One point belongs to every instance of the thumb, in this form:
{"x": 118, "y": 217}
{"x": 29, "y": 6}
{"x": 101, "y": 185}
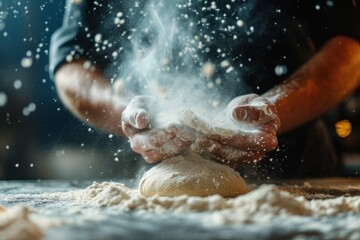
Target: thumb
{"x": 253, "y": 114}
{"x": 138, "y": 118}
{"x": 246, "y": 113}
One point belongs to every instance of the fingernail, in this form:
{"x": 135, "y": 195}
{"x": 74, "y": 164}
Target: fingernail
{"x": 239, "y": 114}
{"x": 141, "y": 119}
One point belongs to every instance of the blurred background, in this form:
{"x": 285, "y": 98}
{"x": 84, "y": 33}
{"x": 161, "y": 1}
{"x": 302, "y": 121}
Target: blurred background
{"x": 39, "y": 139}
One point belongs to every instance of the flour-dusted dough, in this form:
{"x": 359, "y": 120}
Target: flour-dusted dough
{"x": 190, "y": 174}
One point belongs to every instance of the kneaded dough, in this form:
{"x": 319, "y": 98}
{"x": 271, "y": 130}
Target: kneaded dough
{"x": 190, "y": 174}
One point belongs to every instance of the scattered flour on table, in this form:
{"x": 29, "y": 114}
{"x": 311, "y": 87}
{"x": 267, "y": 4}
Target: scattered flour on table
{"x": 259, "y": 206}
{"x": 21, "y": 223}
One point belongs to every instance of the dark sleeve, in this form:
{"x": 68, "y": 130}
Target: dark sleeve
{"x": 69, "y": 41}
{"x": 333, "y": 18}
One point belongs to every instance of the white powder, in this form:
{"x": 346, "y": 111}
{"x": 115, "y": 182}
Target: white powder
{"x": 16, "y": 223}
{"x": 261, "y": 206}
{"x": 219, "y": 124}
{"x": 258, "y": 206}
{"x": 22, "y": 222}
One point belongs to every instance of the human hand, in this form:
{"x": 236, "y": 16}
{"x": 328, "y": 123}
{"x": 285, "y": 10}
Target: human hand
{"x": 154, "y": 142}
{"x": 257, "y": 124}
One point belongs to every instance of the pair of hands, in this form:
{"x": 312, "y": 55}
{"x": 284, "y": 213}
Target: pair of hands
{"x": 158, "y": 143}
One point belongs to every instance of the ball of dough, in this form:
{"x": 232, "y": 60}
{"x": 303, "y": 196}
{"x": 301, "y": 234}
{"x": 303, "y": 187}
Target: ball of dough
{"x": 190, "y": 174}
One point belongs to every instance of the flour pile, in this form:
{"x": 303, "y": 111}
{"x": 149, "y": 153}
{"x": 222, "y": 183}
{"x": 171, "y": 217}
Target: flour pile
{"x": 258, "y": 206}
{"x": 261, "y": 207}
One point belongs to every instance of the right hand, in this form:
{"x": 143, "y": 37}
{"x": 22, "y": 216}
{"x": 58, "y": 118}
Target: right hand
{"x": 252, "y": 111}
{"x": 154, "y": 143}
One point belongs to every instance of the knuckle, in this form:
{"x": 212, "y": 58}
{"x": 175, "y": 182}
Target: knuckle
{"x": 173, "y": 128}
{"x": 213, "y": 148}
{"x": 135, "y": 147}
{"x": 153, "y": 156}
{"x": 149, "y": 159}
{"x": 159, "y": 138}
{"x": 155, "y": 141}
{"x": 273, "y": 143}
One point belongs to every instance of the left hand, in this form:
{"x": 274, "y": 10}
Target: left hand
{"x": 154, "y": 143}
{"x": 252, "y": 111}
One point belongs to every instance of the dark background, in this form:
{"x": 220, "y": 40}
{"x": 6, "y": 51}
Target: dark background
{"x": 49, "y": 142}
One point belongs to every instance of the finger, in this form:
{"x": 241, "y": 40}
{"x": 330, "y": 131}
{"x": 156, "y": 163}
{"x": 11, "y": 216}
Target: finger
{"x": 129, "y": 130}
{"x": 181, "y": 144}
{"x": 142, "y": 119}
{"x": 149, "y": 140}
{"x": 271, "y": 126}
{"x": 137, "y": 118}
{"x": 153, "y": 156}
{"x": 185, "y": 133}
{"x": 276, "y": 123}
{"x": 253, "y": 109}
{"x": 248, "y": 141}
{"x": 250, "y": 114}
{"x": 171, "y": 148}
{"x": 243, "y": 100}
{"x": 262, "y": 141}
{"x": 156, "y": 138}
{"x": 219, "y": 151}
{"x": 225, "y": 154}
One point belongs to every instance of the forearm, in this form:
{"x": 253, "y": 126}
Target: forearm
{"x": 90, "y": 97}
{"x": 319, "y": 85}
